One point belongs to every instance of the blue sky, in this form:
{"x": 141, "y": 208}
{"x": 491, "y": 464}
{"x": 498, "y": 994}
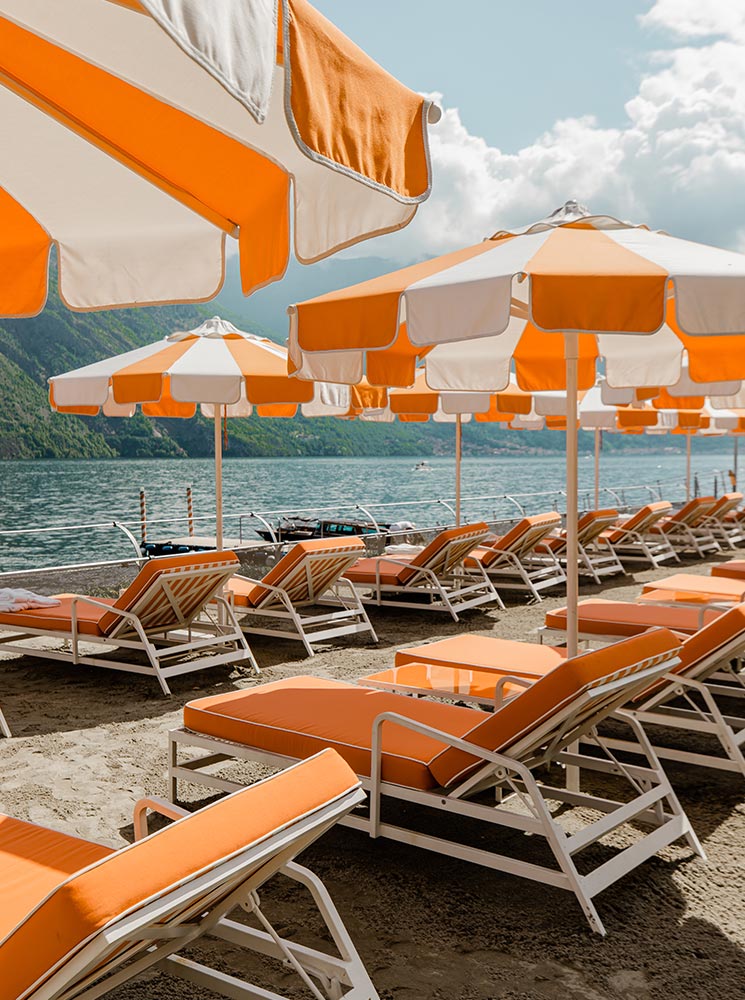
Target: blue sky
{"x": 633, "y": 107}
{"x": 511, "y": 68}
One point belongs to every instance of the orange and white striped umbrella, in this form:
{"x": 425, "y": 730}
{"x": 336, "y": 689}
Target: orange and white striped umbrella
{"x": 552, "y": 300}
{"x": 215, "y": 365}
{"x": 139, "y": 134}
{"x": 227, "y": 371}
{"x": 644, "y": 302}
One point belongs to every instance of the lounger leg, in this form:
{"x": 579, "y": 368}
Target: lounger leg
{"x": 556, "y": 840}
{"x": 654, "y": 762}
{"x": 4, "y": 727}
{"x": 172, "y": 763}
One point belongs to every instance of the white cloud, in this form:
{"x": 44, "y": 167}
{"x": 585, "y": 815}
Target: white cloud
{"x": 678, "y": 164}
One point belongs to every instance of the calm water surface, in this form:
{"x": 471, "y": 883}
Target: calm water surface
{"x": 47, "y": 493}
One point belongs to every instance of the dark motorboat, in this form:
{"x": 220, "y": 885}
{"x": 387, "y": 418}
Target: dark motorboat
{"x": 300, "y": 529}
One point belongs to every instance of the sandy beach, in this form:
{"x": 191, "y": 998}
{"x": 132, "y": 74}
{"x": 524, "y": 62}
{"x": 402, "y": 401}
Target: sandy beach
{"x": 88, "y": 743}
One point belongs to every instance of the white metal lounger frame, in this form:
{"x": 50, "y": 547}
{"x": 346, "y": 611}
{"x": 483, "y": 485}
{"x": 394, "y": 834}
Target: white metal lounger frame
{"x": 718, "y": 674}
{"x": 691, "y": 534}
{"x": 732, "y": 532}
{"x": 595, "y": 561}
{"x": 529, "y": 564}
{"x": 448, "y": 587}
{"x": 150, "y": 935}
{"x": 641, "y": 545}
{"x": 161, "y": 624}
{"x": 509, "y": 773}
{"x": 307, "y": 584}
{"x": 4, "y": 727}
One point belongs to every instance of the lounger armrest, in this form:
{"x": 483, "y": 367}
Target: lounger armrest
{"x": 154, "y": 805}
{"x": 523, "y": 682}
{"x": 458, "y": 742}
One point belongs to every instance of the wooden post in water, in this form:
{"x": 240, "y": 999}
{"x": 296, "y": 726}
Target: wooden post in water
{"x": 143, "y": 517}
{"x": 190, "y": 511}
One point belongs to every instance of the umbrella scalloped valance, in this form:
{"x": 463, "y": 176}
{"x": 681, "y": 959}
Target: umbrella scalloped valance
{"x": 508, "y": 302}
{"x": 139, "y": 135}
{"x": 214, "y": 365}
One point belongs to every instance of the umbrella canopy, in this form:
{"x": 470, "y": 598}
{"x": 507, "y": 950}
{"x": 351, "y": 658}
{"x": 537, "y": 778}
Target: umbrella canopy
{"x": 138, "y": 134}
{"x": 475, "y": 314}
{"x": 551, "y": 299}
{"x": 227, "y": 371}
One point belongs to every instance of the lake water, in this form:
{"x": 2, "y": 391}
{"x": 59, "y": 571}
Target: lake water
{"x": 43, "y": 494}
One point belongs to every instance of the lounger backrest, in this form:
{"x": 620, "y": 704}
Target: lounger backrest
{"x": 725, "y": 503}
{"x": 523, "y": 537}
{"x": 309, "y": 569}
{"x": 170, "y": 592}
{"x": 642, "y": 520}
{"x": 593, "y": 523}
{"x": 565, "y": 703}
{"x": 91, "y": 920}
{"x": 446, "y": 551}
{"x": 693, "y": 512}
{"x": 722, "y": 638}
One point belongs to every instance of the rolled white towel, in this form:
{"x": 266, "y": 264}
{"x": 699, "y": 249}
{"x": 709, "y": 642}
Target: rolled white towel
{"x": 23, "y": 600}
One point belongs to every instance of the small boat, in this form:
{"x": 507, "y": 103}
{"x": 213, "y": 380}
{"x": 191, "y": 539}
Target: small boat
{"x": 422, "y": 467}
{"x": 300, "y": 529}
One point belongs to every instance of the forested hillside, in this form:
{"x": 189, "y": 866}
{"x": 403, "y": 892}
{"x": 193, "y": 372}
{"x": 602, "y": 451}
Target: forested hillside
{"x": 57, "y": 340}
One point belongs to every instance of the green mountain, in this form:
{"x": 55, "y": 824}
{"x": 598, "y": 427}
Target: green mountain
{"x": 58, "y": 340}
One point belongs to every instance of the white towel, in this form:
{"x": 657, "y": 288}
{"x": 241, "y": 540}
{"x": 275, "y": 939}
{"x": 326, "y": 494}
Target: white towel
{"x": 22, "y": 600}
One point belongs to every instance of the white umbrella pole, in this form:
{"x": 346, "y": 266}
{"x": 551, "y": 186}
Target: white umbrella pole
{"x": 598, "y": 439}
{"x": 458, "y": 441}
{"x": 571, "y": 347}
{"x": 218, "y": 478}
{"x": 688, "y": 467}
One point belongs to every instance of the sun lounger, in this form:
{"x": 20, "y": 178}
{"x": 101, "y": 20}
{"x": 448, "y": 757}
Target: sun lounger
{"x": 608, "y": 621}
{"x": 521, "y": 559}
{"x": 444, "y": 757}
{"x": 310, "y": 574}
{"x": 687, "y": 529}
{"x": 4, "y": 727}
{"x": 79, "y": 919}
{"x": 733, "y": 568}
{"x": 730, "y": 531}
{"x": 433, "y": 579}
{"x": 595, "y": 561}
{"x": 156, "y": 618}
{"x": 693, "y": 588}
{"x": 632, "y": 539}
{"x": 486, "y": 671}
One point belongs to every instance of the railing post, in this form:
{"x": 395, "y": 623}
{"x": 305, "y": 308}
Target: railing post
{"x": 190, "y": 511}
{"x": 143, "y": 518}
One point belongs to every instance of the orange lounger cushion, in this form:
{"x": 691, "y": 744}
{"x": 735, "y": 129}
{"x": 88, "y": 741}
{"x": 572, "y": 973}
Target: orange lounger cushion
{"x": 59, "y": 618}
{"x": 93, "y": 620}
{"x": 640, "y": 521}
{"x": 64, "y": 903}
{"x": 734, "y": 569}
{"x": 688, "y": 585}
{"x": 622, "y": 619}
{"x": 247, "y": 594}
{"x": 296, "y": 716}
{"x": 523, "y": 659}
{"x": 391, "y": 573}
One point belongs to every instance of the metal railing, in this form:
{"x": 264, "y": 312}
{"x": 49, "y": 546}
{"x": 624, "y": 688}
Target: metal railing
{"x": 493, "y": 508}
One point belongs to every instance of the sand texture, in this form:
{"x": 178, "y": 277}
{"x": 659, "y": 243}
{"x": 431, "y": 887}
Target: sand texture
{"x": 88, "y": 743}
